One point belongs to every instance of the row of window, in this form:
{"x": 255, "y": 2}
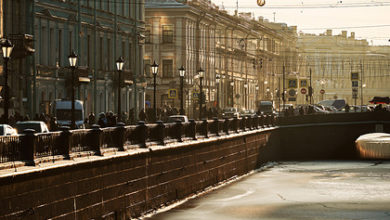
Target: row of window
{"x": 167, "y": 34}
{"x": 54, "y": 45}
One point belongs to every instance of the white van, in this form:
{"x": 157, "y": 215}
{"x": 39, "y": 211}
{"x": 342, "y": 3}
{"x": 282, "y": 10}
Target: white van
{"x": 62, "y": 109}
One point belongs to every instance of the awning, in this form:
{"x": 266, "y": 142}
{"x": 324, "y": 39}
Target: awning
{"x": 380, "y": 100}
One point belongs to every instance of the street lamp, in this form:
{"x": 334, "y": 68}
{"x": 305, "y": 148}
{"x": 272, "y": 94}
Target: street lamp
{"x": 257, "y": 93}
{"x": 119, "y": 65}
{"x": 7, "y": 50}
{"x": 245, "y": 98}
{"x": 201, "y": 75}
{"x": 182, "y": 72}
{"x": 217, "y": 80}
{"x": 72, "y": 61}
{"x": 154, "y": 72}
{"x": 232, "y": 85}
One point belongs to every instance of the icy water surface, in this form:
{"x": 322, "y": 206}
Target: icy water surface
{"x": 297, "y": 190}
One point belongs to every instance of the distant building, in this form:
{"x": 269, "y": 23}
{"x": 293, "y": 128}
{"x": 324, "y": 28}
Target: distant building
{"x": 243, "y": 52}
{"x": 98, "y": 31}
{"x": 332, "y": 59}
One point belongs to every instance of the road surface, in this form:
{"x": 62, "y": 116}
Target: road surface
{"x": 297, "y": 190}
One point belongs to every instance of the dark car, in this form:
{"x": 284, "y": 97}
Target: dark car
{"x": 38, "y": 126}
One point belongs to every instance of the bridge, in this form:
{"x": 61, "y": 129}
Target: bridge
{"x": 125, "y": 171}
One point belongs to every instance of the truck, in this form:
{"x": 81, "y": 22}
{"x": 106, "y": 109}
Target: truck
{"x": 62, "y": 110}
{"x": 266, "y": 107}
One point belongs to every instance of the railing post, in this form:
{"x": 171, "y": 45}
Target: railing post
{"x": 120, "y": 140}
{"x": 256, "y": 122}
{"x": 235, "y": 124}
{"x": 178, "y": 130}
{"x": 141, "y": 133}
{"x": 226, "y": 126}
{"x": 205, "y": 128}
{"x": 273, "y": 121}
{"x": 262, "y": 120}
{"x": 29, "y": 146}
{"x": 249, "y": 123}
{"x": 67, "y": 141}
{"x": 96, "y": 139}
{"x": 242, "y": 124}
{"x": 192, "y": 129}
{"x": 160, "y": 132}
{"x": 216, "y": 126}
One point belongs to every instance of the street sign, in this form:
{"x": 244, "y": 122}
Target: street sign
{"x": 322, "y": 91}
{"x": 172, "y": 93}
{"x": 303, "y": 91}
{"x": 354, "y": 75}
{"x": 292, "y": 92}
{"x": 195, "y": 95}
{"x": 354, "y": 93}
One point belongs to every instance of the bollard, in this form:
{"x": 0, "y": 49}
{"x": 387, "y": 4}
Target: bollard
{"x": 120, "y": 140}
{"x": 160, "y": 132}
{"x": 192, "y": 129}
{"x": 96, "y": 138}
{"x": 178, "y": 130}
{"x": 226, "y": 126}
{"x": 141, "y": 130}
{"x": 29, "y": 141}
{"x": 235, "y": 124}
{"x": 216, "y": 126}
{"x": 205, "y": 128}
{"x": 66, "y": 141}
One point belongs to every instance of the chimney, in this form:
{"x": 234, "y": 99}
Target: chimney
{"x": 352, "y": 35}
{"x": 328, "y": 32}
{"x": 344, "y": 34}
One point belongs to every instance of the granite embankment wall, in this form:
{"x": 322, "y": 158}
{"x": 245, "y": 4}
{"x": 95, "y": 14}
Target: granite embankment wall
{"x": 130, "y": 183}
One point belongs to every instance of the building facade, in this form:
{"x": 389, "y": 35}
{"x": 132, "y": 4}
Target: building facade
{"x": 98, "y": 31}
{"x": 246, "y": 54}
{"x": 344, "y": 67}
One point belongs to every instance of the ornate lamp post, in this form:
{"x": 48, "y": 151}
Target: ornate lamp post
{"x": 7, "y": 50}
{"x": 245, "y": 98}
{"x": 182, "y": 72}
{"x": 119, "y": 66}
{"x": 154, "y": 72}
{"x": 217, "y": 80}
{"x": 232, "y": 85}
{"x": 73, "y": 61}
{"x": 257, "y": 92}
{"x": 201, "y": 75}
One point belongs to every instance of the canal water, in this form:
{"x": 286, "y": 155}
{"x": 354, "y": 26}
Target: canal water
{"x": 296, "y": 190}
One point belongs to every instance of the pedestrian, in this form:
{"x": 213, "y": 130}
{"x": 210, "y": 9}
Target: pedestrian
{"x": 347, "y": 108}
{"x": 53, "y": 124}
{"x": 142, "y": 115}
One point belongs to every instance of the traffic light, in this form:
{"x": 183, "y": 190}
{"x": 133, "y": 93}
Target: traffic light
{"x": 261, "y": 63}
{"x": 310, "y": 91}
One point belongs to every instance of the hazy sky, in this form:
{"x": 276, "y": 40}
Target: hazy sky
{"x": 369, "y": 19}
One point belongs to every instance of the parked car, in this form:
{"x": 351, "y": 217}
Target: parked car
{"x": 38, "y": 126}
{"x": 174, "y": 118}
{"x": 247, "y": 113}
{"x": 6, "y": 130}
{"x": 230, "y": 112}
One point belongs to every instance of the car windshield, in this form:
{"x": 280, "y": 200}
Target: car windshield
{"x": 66, "y": 114}
{"x": 24, "y": 126}
{"x": 1, "y": 130}
{"x": 174, "y": 119}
